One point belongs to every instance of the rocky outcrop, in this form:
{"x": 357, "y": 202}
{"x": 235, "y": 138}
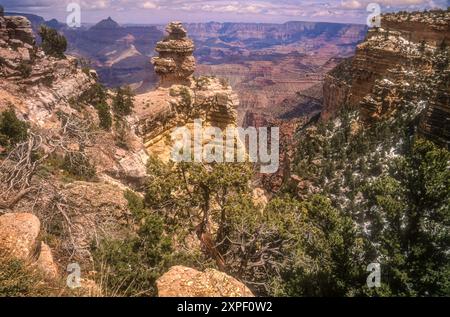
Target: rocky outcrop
{"x": 181, "y": 99}
{"x": 42, "y": 83}
{"x": 42, "y": 89}
{"x": 432, "y": 28}
{"x": 54, "y": 96}
{"x": 435, "y": 121}
{"x": 336, "y": 88}
{"x": 186, "y": 282}
{"x": 46, "y": 263}
{"x": 19, "y": 240}
{"x": 16, "y": 44}
{"x": 15, "y": 28}
{"x": 404, "y": 61}
{"x": 175, "y": 63}
{"x": 206, "y": 99}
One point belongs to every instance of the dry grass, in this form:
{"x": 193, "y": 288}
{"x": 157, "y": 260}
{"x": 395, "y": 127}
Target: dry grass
{"x": 17, "y": 279}
{"x": 20, "y": 279}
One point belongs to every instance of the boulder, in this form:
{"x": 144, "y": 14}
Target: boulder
{"x": 182, "y": 281}
{"x": 46, "y": 264}
{"x": 18, "y": 234}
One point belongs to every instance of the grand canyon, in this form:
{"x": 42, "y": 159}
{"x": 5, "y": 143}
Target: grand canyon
{"x": 284, "y": 63}
{"x": 360, "y": 117}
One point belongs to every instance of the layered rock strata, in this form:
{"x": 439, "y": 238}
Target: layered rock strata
{"x": 181, "y": 99}
{"x": 16, "y": 44}
{"x": 175, "y": 63}
{"x": 404, "y": 61}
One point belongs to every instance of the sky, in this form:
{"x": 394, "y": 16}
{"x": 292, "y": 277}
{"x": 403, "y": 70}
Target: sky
{"x": 270, "y": 11}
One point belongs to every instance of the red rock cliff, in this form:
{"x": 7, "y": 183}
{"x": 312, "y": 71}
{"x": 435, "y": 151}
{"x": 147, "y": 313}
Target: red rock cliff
{"x": 406, "y": 60}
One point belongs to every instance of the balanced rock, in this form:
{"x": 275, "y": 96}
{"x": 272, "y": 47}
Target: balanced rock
{"x": 181, "y": 100}
{"x": 175, "y": 63}
{"x": 186, "y": 282}
{"x": 18, "y": 234}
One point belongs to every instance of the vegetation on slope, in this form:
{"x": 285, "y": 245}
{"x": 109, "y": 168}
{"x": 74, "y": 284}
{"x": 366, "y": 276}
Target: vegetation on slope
{"x": 53, "y": 43}
{"x": 395, "y": 186}
{"x": 378, "y": 195}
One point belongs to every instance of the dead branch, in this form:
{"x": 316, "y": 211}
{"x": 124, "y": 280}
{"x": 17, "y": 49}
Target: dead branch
{"x": 20, "y": 165}
{"x": 12, "y": 202}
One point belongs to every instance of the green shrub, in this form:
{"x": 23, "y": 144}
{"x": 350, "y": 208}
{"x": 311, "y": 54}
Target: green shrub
{"x": 131, "y": 267}
{"x": 104, "y": 116}
{"x": 135, "y": 204}
{"x": 12, "y": 130}
{"x": 25, "y": 69}
{"x": 78, "y": 165}
{"x": 94, "y": 95}
{"x": 123, "y": 102}
{"x": 17, "y": 280}
{"x": 53, "y": 43}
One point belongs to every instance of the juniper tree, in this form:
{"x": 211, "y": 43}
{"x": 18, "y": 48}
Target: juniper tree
{"x": 123, "y": 102}
{"x": 53, "y": 43}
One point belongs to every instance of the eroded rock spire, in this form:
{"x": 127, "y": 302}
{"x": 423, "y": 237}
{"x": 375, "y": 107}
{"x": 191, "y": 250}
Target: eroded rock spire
{"x": 176, "y": 63}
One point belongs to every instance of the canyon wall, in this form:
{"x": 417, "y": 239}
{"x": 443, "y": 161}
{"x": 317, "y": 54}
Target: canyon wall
{"x": 65, "y": 154}
{"x": 406, "y": 60}
{"x": 430, "y": 28}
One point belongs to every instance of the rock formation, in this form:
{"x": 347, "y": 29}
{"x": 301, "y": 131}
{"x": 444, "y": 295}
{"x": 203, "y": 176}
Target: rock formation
{"x": 404, "y": 61}
{"x": 46, "y": 264}
{"x": 19, "y": 240}
{"x": 54, "y": 97}
{"x": 41, "y": 88}
{"x": 432, "y": 27}
{"x": 186, "y": 282}
{"x": 435, "y": 122}
{"x": 18, "y": 235}
{"x": 175, "y": 63}
{"x": 16, "y": 44}
{"x": 180, "y": 99}
{"x": 336, "y": 88}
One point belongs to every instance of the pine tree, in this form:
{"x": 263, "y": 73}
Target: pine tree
{"x": 123, "y": 102}
{"x": 12, "y": 130}
{"x": 53, "y": 43}
{"x": 410, "y": 217}
{"x": 104, "y": 116}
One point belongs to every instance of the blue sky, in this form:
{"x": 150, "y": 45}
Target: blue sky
{"x": 162, "y": 11}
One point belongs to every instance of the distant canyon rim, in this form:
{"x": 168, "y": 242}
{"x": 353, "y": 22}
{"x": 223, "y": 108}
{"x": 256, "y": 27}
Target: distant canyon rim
{"x": 277, "y": 70}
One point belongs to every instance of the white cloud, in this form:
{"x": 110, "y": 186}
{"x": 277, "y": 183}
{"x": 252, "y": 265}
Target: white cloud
{"x": 242, "y": 9}
{"x": 149, "y": 5}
